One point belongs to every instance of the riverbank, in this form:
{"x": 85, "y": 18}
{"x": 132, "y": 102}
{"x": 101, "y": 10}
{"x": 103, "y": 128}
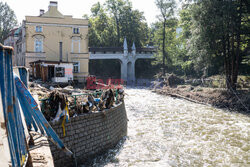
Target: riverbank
{"x": 217, "y": 97}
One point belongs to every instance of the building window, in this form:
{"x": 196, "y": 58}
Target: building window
{"x": 38, "y": 45}
{"x": 60, "y": 72}
{"x": 75, "y": 30}
{"x": 76, "y": 67}
{"x": 39, "y": 29}
{"x": 76, "y": 45}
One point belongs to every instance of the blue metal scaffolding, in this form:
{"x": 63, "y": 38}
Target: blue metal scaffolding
{"x": 17, "y": 100}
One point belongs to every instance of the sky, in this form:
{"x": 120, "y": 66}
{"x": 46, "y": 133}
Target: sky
{"x": 76, "y": 8}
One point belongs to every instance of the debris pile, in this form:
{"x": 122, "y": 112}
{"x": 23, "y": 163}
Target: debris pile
{"x": 170, "y": 80}
{"x": 173, "y": 80}
{"x": 120, "y": 95}
{"x": 86, "y": 104}
{"x": 56, "y": 101}
{"x": 42, "y": 89}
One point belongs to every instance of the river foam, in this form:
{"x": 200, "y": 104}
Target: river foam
{"x": 164, "y": 131}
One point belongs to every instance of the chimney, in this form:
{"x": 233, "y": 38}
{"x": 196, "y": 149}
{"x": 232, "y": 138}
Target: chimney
{"x": 52, "y": 4}
{"x": 41, "y": 12}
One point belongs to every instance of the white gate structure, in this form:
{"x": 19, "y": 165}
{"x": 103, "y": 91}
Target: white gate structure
{"x": 126, "y": 57}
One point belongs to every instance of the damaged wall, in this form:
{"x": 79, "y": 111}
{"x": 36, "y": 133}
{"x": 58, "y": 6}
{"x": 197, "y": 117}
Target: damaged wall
{"x": 90, "y": 134}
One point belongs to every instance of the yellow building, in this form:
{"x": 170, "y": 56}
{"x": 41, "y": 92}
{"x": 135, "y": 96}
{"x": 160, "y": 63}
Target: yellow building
{"x": 56, "y": 37}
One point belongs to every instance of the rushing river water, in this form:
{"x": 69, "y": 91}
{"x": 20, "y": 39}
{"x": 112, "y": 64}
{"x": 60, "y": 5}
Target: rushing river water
{"x": 164, "y": 131}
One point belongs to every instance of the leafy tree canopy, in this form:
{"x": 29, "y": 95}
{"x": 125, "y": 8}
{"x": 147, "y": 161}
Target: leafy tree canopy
{"x": 112, "y": 22}
{"x": 7, "y": 20}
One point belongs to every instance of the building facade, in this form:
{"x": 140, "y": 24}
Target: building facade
{"x": 11, "y": 40}
{"x": 52, "y": 36}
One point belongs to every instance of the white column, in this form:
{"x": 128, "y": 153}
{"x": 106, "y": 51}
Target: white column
{"x": 133, "y": 71}
{"x": 124, "y": 70}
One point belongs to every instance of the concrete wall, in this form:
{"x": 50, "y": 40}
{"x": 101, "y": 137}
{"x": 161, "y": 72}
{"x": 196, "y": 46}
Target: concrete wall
{"x": 90, "y": 134}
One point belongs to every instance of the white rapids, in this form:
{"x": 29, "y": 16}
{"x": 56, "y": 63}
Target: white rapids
{"x": 164, "y": 131}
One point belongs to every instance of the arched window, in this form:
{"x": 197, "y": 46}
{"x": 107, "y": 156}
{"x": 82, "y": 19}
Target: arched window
{"x": 76, "y": 45}
{"x": 38, "y": 43}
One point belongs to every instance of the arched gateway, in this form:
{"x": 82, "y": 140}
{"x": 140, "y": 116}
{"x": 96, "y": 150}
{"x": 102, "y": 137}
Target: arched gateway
{"x": 126, "y": 56}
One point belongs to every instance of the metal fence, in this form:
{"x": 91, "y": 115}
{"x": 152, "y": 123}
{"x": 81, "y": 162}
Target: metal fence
{"x": 20, "y": 112}
{"x": 11, "y": 111}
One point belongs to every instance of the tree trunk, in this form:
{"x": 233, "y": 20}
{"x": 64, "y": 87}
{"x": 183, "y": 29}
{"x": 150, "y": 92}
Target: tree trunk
{"x": 224, "y": 43}
{"x": 228, "y": 61}
{"x": 163, "y": 46}
{"x": 118, "y": 31}
{"x": 237, "y": 54}
{"x": 233, "y": 58}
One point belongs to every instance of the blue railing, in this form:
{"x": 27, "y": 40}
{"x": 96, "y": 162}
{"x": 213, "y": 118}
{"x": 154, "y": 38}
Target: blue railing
{"x": 15, "y": 101}
{"x": 12, "y": 115}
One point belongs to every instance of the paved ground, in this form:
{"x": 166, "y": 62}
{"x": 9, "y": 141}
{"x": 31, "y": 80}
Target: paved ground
{"x": 40, "y": 152}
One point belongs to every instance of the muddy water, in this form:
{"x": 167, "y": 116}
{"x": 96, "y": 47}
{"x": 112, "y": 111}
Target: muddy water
{"x": 163, "y": 131}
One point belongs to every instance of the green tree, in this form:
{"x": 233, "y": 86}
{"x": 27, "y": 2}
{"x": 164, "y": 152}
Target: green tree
{"x": 96, "y": 8}
{"x": 110, "y": 23}
{"x": 115, "y": 7}
{"x": 134, "y": 26}
{"x": 167, "y": 11}
{"x": 220, "y": 32}
{"x": 7, "y": 20}
{"x": 102, "y": 30}
{"x": 171, "y": 46}
{"x": 185, "y": 23}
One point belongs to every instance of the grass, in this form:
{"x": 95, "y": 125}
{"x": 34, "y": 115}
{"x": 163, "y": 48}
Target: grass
{"x": 218, "y": 81}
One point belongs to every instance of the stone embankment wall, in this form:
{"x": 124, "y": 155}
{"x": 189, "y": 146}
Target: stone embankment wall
{"x": 90, "y": 134}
